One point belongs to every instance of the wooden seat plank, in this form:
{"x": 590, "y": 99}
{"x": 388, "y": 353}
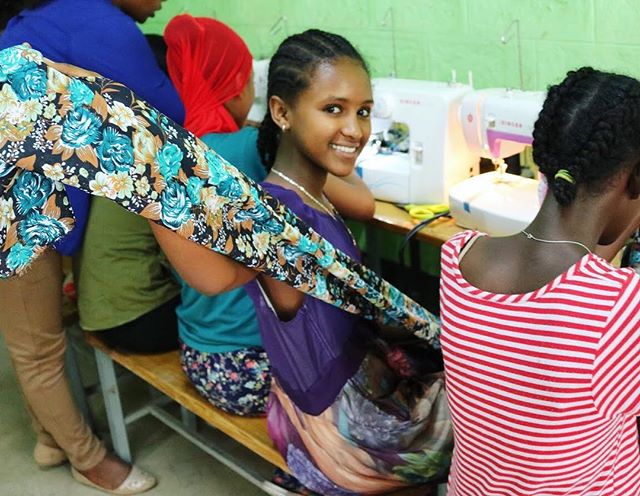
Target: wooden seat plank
{"x": 392, "y": 218}
{"x": 163, "y": 372}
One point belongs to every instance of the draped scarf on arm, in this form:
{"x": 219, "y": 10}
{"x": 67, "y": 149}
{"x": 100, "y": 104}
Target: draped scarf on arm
{"x": 96, "y": 135}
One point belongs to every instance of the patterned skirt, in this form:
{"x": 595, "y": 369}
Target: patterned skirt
{"x": 237, "y": 381}
{"x": 382, "y": 433}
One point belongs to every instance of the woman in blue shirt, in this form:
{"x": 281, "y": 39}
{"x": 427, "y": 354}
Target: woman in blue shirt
{"x": 103, "y": 36}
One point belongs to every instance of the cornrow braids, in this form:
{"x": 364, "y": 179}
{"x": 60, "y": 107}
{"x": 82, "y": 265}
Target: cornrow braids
{"x": 290, "y": 72}
{"x": 589, "y": 126}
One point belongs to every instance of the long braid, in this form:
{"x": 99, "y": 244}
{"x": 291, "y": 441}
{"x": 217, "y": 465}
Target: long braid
{"x": 589, "y": 126}
{"x": 290, "y": 73}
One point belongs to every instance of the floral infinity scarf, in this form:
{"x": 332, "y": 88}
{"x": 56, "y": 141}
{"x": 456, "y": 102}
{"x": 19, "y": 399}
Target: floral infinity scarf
{"x": 96, "y": 135}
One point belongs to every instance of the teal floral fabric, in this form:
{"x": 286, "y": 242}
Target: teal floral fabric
{"x": 96, "y": 135}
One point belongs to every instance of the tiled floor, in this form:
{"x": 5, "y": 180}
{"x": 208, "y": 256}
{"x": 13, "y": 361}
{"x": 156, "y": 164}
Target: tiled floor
{"x": 182, "y": 468}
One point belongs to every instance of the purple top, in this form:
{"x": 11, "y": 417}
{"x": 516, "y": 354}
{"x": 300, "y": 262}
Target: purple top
{"x": 315, "y": 353}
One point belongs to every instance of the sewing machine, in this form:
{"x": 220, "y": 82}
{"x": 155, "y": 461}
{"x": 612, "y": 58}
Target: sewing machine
{"x": 260, "y": 79}
{"x": 497, "y": 123}
{"x": 417, "y": 150}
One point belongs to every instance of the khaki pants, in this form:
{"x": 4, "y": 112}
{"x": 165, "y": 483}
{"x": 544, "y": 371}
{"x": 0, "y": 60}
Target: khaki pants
{"x": 31, "y": 322}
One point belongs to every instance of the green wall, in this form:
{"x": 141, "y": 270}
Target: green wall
{"x": 431, "y": 37}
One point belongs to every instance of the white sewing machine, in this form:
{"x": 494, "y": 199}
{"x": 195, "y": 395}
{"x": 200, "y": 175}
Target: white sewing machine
{"x": 260, "y": 80}
{"x": 432, "y": 156}
{"x": 497, "y": 123}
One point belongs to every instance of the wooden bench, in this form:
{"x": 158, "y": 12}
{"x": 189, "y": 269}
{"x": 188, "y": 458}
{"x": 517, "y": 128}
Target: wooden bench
{"x": 164, "y": 373}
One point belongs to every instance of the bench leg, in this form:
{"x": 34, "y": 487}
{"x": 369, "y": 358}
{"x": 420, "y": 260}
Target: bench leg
{"x": 219, "y": 453}
{"x": 75, "y": 383}
{"x": 189, "y": 419}
{"x": 115, "y": 416}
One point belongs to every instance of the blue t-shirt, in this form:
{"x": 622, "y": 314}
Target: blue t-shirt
{"x": 225, "y": 322}
{"x": 94, "y": 35}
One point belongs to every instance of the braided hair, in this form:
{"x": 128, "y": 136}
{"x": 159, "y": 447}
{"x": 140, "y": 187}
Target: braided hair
{"x": 590, "y": 127}
{"x": 290, "y": 72}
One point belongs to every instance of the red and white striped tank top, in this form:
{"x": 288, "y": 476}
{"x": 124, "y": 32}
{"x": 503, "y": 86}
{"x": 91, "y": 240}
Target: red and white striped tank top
{"x": 544, "y": 387}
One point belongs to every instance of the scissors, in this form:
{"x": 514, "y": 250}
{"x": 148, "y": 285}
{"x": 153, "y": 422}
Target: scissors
{"x": 425, "y": 211}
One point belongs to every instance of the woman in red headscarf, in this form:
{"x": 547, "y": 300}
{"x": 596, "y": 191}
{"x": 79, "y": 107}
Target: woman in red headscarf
{"x": 221, "y": 350}
{"x": 211, "y": 67}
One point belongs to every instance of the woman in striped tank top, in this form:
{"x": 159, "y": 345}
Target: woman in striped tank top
{"x": 541, "y": 337}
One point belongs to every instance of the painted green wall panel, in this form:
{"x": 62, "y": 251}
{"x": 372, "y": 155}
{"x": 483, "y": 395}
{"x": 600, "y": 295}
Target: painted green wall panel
{"x": 153, "y": 26}
{"x": 619, "y": 58}
{"x": 618, "y": 21}
{"x": 427, "y": 18}
{"x": 431, "y": 37}
{"x": 569, "y": 20}
{"x": 254, "y": 12}
{"x": 346, "y": 14}
{"x": 554, "y": 58}
{"x": 414, "y": 63}
{"x": 490, "y": 62}
{"x": 259, "y": 39}
{"x": 487, "y": 20}
{"x": 425, "y": 39}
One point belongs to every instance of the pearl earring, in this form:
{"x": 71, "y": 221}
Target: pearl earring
{"x": 284, "y": 128}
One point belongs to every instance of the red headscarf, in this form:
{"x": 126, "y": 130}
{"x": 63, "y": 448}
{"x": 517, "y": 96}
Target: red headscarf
{"x": 209, "y": 64}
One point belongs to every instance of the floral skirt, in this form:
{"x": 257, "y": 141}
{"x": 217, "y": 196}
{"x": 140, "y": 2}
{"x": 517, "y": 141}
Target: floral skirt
{"x": 383, "y": 432}
{"x": 237, "y": 382}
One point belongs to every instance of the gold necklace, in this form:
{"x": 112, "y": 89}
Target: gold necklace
{"x": 334, "y": 215}
{"x": 309, "y": 195}
{"x": 531, "y": 236}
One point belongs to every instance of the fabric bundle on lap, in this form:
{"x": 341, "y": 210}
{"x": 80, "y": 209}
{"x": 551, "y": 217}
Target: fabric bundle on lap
{"x": 94, "y": 134}
{"x": 349, "y": 413}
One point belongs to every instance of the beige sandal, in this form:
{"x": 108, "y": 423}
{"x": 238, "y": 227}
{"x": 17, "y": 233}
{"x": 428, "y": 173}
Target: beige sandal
{"x": 136, "y": 482}
{"x": 48, "y": 457}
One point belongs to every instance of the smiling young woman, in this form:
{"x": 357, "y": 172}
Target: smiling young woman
{"x": 330, "y": 414}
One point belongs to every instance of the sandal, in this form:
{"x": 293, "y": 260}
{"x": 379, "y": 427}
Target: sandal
{"x": 136, "y": 482}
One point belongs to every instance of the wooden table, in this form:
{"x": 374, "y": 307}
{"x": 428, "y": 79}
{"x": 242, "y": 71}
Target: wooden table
{"x": 388, "y": 216}
{"x": 395, "y": 219}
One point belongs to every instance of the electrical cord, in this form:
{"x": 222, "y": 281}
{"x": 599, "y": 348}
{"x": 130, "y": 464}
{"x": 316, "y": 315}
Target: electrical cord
{"x": 415, "y": 230}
